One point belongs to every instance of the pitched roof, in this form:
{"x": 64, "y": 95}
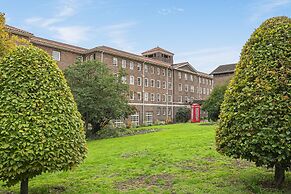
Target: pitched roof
{"x": 178, "y": 66}
{"x": 59, "y": 45}
{"x": 129, "y": 55}
{"x": 157, "y": 49}
{"x": 228, "y": 68}
{"x": 18, "y": 31}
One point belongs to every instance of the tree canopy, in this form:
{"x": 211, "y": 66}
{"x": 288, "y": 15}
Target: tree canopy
{"x": 100, "y": 95}
{"x": 213, "y": 102}
{"x": 255, "y": 116}
{"x": 40, "y": 127}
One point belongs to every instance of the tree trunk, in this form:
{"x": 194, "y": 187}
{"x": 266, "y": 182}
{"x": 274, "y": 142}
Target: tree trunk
{"x": 95, "y": 127}
{"x": 279, "y": 175}
{"x": 24, "y": 186}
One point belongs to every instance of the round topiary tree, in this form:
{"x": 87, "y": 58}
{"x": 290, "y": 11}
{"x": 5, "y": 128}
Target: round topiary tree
{"x": 255, "y": 119}
{"x": 40, "y": 127}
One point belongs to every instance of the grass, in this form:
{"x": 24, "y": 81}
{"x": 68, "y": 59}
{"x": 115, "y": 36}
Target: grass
{"x": 180, "y": 158}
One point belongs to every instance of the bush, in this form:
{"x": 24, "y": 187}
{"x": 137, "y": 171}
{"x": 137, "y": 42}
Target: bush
{"x": 213, "y": 103}
{"x": 255, "y": 115}
{"x": 183, "y": 115}
{"x": 40, "y": 127}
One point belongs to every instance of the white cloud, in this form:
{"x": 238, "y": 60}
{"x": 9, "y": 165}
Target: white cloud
{"x": 262, "y": 8}
{"x": 118, "y": 35}
{"x": 71, "y": 34}
{"x": 63, "y": 11}
{"x": 206, "y": 60}
{"x": 173, "y": 10}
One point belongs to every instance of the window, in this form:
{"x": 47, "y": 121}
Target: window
{"x": 139, "y": 96}
{"x": 123, "y": 79}
{"x": 56, "y": 55}
{"x": 134, "y": 119}
{"x": 186, "y": 88}
{"x": 192, "y": 89}
{"x": 146, "y": 69}
{"x": 164, "y": 85}
{"x": 169, "y": 111}
{"x": 149, "y": 118}
{"x": 199, "y": 79}
{"x": 146, "y": 96}
{"x": 114, "y": 61}
{"x": 152, "y": 69}
{"x": 123, "y": 63}
{"x": 139, "y": 67}
{"x": 152, "y": 97}
{"x": 131, "y": 95}
{"x": 179, "y": 75}
{"x": 139, "y": 81}
{"x": 146, "y": 82}
{"x": 158, "y": 97}
{"x": 118, "y": 123}
{"x": 180, "y": 87}
{"x": 204, "y": 91}
{"x": 164, "y": 111}
{"x": 169, "y": 73}
{"x": 170, "y": 98}
{"x": 170, "y": 85}
{"x": 91, "y": 57}
{"x": 131, "y": 65}
{"x": 159, "y": 111}
{"x": 164, "y": 98}
{"x": 164, "y": 72}
{"x": 191, "y": 78}
{"x": 207, "y": 92}
{"x": 186, "y": 98}
{"x": 79, "y": 58}
{"x": 152, "y": 83}
{"x": 158, "y": 71}
{"x": 186, "y": 76}
{"x": 158, "y": 84}
{"x": 203, "y": 81}
{"x": 131, "y": 80}
{"x": 206, "y": 81}
{"x": 180, "y": 99}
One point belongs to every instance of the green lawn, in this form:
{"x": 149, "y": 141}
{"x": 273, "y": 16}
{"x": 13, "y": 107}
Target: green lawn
{"x": 180, "y": 158}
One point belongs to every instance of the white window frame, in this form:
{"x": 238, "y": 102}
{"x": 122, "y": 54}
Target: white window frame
{"x": 153, "y": 83}
{"x": 186, "y": 87}
{"x": 131, "y": 65}
{"x": 139, "y": 67}
{"x": 158, "y": 97}
{"x": 146, "y": 68}
{"x": 146, "y": 82}
{"x": 139, "y": 96}
{"x": 149, "y": 118}
{"x": 152, "y": 97}
{"x": 139, "y": 81}
{"x": 115, "y": 61}
{"x": 158, "y": 84}
{"x": 123, "y": 63}
{"x": 135, "y": 119}
{"x": 186, "y": 76}
{"x": 180, "y": 75}
{"x": 131, "y": 80}
{"x": 56, "y": 55}
{"x": 146, "y": 96}
{"x": 158, "y": 71}
{"x": 164, "y": 72}
{"x": 131, "y": 95}
{"x": 170, "y": 99}
{"x": 164, "y": 85}
{"x": 180, "y": 87}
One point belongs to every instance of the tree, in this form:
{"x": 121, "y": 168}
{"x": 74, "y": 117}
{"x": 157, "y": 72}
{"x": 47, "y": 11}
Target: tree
{"x": 183, "y": 115}
{"x": 213, "y": 103}
{"x": 100, "y": 95}
{"x": 7, "y": 42}
{"x": 255, "y": 116}
{"x": 40, "y": 127}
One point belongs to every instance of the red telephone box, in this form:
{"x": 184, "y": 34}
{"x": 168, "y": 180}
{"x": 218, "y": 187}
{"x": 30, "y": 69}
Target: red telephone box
{"x": 195, "y": 113}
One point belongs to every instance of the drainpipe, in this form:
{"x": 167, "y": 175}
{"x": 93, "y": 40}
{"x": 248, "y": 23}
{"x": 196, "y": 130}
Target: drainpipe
{"x": 102, "y": 58}
{"x": 167, "y": 94}
{"x": 172, "y": 93}
{"x": 142, "y": 94}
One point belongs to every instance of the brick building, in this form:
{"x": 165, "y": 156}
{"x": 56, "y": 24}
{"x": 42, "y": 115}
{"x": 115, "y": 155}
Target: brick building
{"x": 222, "y": 74}
{"x": 158, "y": 87}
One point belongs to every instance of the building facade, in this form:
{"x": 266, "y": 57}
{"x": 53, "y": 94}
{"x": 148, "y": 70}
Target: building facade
{"x": 222, "y": 74}
{"x": 158, "y": 87}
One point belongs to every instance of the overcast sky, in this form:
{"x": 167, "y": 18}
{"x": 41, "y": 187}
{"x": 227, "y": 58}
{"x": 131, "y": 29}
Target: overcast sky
{"x": 206, "y": 33}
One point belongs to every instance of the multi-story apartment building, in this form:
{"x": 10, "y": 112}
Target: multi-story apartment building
{"x": 158, "y": 87}
{"x": 223, "y": 74}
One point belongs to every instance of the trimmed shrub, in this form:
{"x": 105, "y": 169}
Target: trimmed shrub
{"x": 40, "y": 127}
{"x": 255, "y": 115}
{"x": 183, "y": 115}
